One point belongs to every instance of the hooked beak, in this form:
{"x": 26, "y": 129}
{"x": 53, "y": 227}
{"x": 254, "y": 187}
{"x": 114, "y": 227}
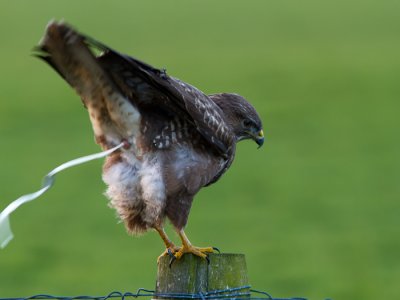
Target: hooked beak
{"x": 259, "y": 138}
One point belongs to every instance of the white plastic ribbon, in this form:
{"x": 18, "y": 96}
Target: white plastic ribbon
{"x": 6, "y": 234}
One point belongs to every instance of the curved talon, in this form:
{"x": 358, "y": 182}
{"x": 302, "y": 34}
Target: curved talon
{"x": 173, "y": 258}
{"x": 170, "y": 253}
{"x": 216, "y": 249}
{"x": 208, "y": 260}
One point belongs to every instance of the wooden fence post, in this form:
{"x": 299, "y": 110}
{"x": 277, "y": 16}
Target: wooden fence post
{"x": 192, "y": 274}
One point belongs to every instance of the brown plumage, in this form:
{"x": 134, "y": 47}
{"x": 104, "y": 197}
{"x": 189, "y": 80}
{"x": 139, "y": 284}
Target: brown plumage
{"x": 180, "y": 139}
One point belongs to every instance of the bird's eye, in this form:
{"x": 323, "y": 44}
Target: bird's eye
{"x": 246, "y": 123}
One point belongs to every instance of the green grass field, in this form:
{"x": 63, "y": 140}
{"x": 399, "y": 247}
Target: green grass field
{"x": 316, "y": 210}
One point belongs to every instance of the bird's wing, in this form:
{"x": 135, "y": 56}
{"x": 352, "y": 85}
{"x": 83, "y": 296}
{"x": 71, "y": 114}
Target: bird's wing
{"x": 168, "y": 93}
{"x": 83, "y": 71}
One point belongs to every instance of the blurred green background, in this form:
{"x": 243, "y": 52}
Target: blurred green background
{"x": 316, "y": 210}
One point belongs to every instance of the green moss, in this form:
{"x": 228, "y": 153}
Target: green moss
{"x": 192, "y": 274}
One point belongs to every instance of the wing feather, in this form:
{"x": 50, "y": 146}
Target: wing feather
{"x": 140, "y": 82}
{"x": 169, "y": 93}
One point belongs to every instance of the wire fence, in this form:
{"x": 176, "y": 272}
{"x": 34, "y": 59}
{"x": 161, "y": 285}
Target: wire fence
{"x": 243, "y": 292}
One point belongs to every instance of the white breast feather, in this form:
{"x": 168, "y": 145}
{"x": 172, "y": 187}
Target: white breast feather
{"x": 153, "y": 189}
{"x": 134, "y": 184}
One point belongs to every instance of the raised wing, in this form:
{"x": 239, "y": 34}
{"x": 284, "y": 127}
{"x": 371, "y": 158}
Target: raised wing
{"x": 153, "y": 86}
{"x": 168, "y": 93}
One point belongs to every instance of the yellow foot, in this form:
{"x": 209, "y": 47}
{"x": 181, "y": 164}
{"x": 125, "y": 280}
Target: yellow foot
{"x": 170, "y": 251}
{"x": 202, "y": 252}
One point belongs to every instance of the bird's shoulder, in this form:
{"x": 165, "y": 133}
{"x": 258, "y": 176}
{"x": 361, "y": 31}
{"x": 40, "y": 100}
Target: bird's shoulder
{"x": 153, "y": 91}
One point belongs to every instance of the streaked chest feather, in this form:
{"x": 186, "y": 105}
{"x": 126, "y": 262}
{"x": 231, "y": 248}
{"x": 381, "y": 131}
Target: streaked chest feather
{"x": 172, "y": 131}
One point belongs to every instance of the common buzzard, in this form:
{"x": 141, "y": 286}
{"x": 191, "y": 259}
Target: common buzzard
{"x": 177, "y": 139}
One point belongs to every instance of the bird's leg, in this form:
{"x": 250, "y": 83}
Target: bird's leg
{"x": 187, "y": 247}
{"x": 171, "y": 248}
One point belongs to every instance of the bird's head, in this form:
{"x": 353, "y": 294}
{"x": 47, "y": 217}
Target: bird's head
{"x": 242, "y": 116}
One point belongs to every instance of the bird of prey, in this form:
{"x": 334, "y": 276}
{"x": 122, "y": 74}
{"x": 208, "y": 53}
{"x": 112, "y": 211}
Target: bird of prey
{"x": 176, "y": 139}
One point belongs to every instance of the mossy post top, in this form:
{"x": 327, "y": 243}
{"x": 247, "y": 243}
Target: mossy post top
{"x": 192, "y": 274}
